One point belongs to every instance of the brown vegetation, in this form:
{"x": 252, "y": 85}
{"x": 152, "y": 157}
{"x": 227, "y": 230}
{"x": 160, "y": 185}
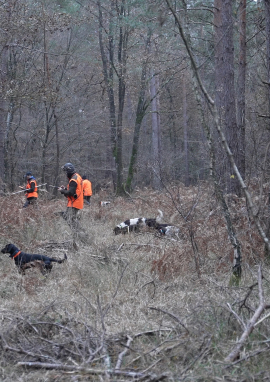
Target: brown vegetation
{"x": 136, "y": 306}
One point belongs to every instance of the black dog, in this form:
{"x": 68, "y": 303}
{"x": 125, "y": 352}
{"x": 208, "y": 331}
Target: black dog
{"x": 25, "y": 260}
{"x": 167, "y": 229}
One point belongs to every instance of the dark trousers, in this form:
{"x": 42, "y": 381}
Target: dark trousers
{"x": 32, "y": 200}
{"x": 87, "y": 199}
{"x": 72, "y": 215}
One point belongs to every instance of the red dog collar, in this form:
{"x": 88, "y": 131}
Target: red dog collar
{"x": 17, "y": 254}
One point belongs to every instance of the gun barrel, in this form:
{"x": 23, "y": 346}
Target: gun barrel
{"x": 53, "y": 186}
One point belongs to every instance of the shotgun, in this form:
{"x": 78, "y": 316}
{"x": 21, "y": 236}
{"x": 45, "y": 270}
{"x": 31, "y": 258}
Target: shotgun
{"x": 54, "y": 186}
{"x": 18, "y": 192}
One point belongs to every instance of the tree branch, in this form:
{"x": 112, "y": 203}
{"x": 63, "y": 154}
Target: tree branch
{"x": 251, "y": 324}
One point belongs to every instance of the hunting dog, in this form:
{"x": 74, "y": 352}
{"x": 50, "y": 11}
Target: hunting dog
{"x": 164, "y": 228}
{"x": 136, "y": 223}
{"x": 168, "y": 230}
{"x": 25, "y": 260}
{"x": 129, "y": 225}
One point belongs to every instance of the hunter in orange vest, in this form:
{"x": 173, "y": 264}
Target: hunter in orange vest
{"x": 87, "y": 189}
{"x": 74, "y": 194}
{"x": 30, "y": 190}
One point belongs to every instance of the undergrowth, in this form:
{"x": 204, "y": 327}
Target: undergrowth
{"x": 137, "y": 306}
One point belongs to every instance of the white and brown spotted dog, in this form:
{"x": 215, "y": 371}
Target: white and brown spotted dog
{"x": 135, "y": 224}
{"x": 129, "y": 225}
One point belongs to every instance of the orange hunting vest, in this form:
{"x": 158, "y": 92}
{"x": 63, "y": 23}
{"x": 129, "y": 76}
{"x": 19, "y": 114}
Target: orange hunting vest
{"x": 31, "y": 194}
{"x": 76, "y": 202}
{"x": 87, "y": 187}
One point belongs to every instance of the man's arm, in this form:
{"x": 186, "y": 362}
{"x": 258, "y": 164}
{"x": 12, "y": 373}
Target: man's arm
{"x": 72, "y": 189}
{"x": 32, "y": 187}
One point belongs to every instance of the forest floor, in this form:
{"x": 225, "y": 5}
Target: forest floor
{"x": 133, "y": 307}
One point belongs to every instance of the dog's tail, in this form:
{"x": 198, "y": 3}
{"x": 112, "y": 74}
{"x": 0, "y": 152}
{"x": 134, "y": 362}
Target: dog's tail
{"x": 59, "y": 261}
{"x": 159, "y": 217}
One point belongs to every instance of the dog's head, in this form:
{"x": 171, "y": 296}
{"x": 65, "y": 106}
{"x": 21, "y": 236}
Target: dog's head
{"x": 8, "y": 248}
{"x": 151, "y": 223}
{"x": 117, "y": 230}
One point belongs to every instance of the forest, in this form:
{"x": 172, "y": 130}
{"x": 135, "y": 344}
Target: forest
{"x": 114, "y": 87}
{"x": 164, "y": 106}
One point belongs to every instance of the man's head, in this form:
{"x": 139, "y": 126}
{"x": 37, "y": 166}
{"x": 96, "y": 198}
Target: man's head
{"x": 69, "y": 169}
{"x": 28, "y": 175}
{"x": 84, "y": 177}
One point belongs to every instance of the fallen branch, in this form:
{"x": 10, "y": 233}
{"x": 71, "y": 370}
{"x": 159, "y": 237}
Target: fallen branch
{"x": 121, "y": 355}
{"x": 234, "y": 354}
{"x": 59, "y": 366}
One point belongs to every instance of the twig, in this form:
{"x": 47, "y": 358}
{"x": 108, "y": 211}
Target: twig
{"x": 153, "y": 364}
{"x": 143, "y": 245}
{"x": 120, "y": 247}
{"x": 117, "y": 288}
{"x": 149, "y": 282}
{"x": 262, "y": 319}
{"x": 237, "y": 317}
{"x": 246, "y": 357}
{"x": 22, "y": 351}
{"x": 199, "y": 356}
{"x": 121, "y": 355}
{"x": 171, "y": 315}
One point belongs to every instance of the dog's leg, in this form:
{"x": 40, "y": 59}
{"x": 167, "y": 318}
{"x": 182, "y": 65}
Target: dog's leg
{"x": 21, "y": 271}
{"x": 41, "y": 266}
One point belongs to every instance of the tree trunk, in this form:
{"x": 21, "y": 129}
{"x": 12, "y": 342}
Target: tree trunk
{"x": 109, "y": 67}
{"x": 201, "y": 92}
{"x": 186, "y": 156}
{"x": 9, "y": 149}
{"x": 3, "y": 113}
{"x": 267, "y": 34}
{"x": 140, "y": 113}
{"x": 108, "y": 77}
{"x": 237, "y": 267}
{"x": 241, "y": 88}
{"x": 218, "y": 54}
{"x": 155, "y": 130}
{"x": 122, "y": 61}
{"x": 228, "y": 95}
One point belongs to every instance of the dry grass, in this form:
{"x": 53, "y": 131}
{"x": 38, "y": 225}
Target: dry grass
{"x": 164, "y": 302}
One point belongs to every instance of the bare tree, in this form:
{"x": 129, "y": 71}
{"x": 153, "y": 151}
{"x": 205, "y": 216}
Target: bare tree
{"x": 241, "y": 88}
{"x": 154, "y": 85}
{"x": 110, "y": 69}
{"x": 185, "y": 125}
{"x": 217, "y": 124}
{"x": 228, "y": 101}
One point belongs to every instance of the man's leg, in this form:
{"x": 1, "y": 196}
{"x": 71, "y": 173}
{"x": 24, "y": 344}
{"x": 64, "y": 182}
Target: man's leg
{"x": 87, "y": 199}
{"x": 72, "y": 216}
{"x": 31, "y": 200}
{"x": 26, "y": 204}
